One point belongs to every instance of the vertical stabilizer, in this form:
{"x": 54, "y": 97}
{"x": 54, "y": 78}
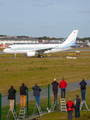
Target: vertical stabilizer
{"x": 70, "y": 41}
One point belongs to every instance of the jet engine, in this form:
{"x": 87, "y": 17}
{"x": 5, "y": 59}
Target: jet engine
{"x": 30, "y": 54}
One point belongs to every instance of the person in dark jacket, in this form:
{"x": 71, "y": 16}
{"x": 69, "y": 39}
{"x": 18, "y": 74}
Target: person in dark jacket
{"x": 36, "y": 93}
{"x": 55, "y": 89}
{"x": 11, "y": 97}
{"x": 70, "y": 108}
{"x": 23, "y": 94}
{"x": 63, "y": 85}
{"x": 83, "y": 88}
{"x": 77, "y": 106}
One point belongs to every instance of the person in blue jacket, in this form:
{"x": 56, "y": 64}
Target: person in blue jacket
{"x": 36, "y": 93}
{"x": 83, "y": 88}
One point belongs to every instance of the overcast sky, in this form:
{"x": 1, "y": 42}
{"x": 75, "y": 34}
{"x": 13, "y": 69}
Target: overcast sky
{"x": 38, "y": 18}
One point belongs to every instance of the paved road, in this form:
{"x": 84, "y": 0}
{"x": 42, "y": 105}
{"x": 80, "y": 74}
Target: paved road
{"x": 1, "y": 52}
{"x": 44, "y": 92}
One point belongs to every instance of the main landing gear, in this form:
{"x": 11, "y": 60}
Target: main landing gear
{"x": 40, "y": 56}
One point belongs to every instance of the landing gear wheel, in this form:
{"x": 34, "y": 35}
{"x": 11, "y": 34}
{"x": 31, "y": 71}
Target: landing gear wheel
{"x": 40, "y": 56}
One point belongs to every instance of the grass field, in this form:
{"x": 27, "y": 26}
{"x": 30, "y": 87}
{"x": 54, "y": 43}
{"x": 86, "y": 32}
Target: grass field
{"x": 63, "y": 116}
{"x": 42, "y": 70}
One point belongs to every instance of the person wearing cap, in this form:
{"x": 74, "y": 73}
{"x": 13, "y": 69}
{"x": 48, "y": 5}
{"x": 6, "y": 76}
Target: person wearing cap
{"x": 83, "y": 88}
{"x": 55, "y": 89}
{"x": 36, "y": 93}
{"x": 77, "y": 106}
{"x": 70, "y": 108}
{"x": 63, "y": 85}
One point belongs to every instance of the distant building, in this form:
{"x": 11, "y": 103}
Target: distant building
{"x": 7, "y": 42}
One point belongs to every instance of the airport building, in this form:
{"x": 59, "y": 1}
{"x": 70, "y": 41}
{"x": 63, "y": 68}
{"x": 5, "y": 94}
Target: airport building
{"x": 6, "y": 41}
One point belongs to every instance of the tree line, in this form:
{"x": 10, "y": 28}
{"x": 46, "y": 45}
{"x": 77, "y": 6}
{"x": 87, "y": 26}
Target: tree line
{"x": 45, "y": 38}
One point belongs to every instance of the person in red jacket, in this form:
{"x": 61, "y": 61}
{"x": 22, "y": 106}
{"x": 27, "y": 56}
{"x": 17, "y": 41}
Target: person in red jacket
{"x": 63, "y": 85}
{"x": 70, "y": 108}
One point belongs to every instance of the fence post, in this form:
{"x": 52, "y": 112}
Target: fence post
{"x": 48, "y": 97}
{"x": 15, "y": 103}
{"x": 0, "y": 105}
{"x": 27, "y": 101}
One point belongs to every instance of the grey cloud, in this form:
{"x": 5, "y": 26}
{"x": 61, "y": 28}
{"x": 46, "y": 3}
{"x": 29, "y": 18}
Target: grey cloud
{"x": 39, "y": 5}
{"x": 85, "y": 11}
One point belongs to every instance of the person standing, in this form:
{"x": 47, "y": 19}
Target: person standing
{"x": 63, "y": 85}
{"x": 36, "y": 93}
{"x": 55, "y": 89}
{"x": 83, "y": 88}
{"x": 70, "y": 108}
{"x": 23, "y": 89}
{"x": 77, "y": 106}
{"x": 11, "y": 97}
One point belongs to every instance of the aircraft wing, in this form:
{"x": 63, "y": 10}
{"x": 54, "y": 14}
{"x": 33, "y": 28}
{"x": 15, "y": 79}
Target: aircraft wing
{"x": 43, "y": 50}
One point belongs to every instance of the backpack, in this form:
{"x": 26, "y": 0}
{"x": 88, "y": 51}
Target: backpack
{"x": 82, "y": 85}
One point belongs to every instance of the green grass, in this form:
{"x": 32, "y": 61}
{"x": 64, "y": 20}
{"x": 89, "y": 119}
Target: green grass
{"x": 42, "y": 70}
{"x": 63, "y": 116}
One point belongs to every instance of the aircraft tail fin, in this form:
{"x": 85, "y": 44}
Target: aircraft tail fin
{"x": 70, "y": 41}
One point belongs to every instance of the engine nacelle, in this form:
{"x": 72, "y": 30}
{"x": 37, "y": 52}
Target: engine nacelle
{"x": 30, "y": 54}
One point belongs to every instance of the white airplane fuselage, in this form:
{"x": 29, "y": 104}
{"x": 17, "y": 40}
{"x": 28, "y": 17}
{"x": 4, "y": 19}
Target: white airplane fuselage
{"x": 33, "y": 49}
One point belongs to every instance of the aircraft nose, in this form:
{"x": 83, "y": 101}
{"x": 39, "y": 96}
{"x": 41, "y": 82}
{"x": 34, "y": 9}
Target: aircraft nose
{"x": 4, "y": 50}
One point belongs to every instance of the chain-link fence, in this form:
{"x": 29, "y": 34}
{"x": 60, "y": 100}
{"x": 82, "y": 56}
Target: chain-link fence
{"x": 46, "y": 99}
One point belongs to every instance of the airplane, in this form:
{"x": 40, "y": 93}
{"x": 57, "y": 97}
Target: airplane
{"x": 30, "y": 50}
